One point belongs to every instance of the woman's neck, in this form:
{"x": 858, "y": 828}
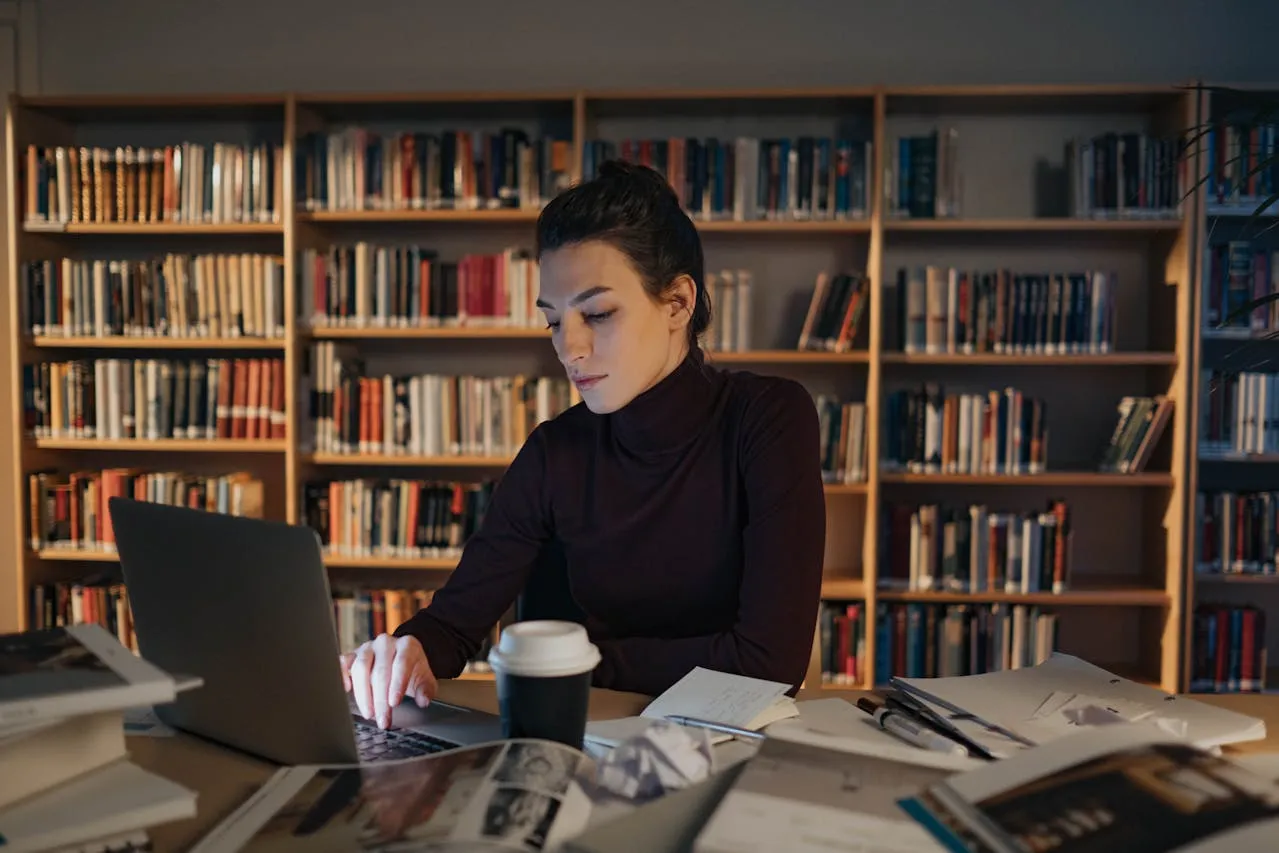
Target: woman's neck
{"x": 673, "y": 410}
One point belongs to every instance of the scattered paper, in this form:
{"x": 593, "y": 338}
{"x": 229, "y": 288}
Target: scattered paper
{"x": 1062, "y": 712}
{"x": 665, "y": 757}
{"x": 736, "y": 700}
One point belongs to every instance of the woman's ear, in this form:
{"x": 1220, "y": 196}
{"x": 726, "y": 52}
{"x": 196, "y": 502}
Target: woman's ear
{"x": 682, "y": 299}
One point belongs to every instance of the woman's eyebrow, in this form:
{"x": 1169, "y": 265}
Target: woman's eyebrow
{"x": 580, "y": 297}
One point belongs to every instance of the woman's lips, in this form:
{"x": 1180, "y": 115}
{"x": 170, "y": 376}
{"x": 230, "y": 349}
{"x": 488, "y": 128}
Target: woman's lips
{"x": 585, "y": 382}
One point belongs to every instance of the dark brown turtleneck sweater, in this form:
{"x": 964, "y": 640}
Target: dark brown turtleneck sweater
{"x": 692, "y": 524}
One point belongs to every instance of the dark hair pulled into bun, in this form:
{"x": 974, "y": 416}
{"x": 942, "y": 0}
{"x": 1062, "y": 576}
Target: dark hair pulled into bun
{"x": 634, "y": 209}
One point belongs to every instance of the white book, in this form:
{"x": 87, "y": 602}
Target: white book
{"x": 709, "y": 695}
{"x": 73, "y": 670}
{"x": 113, "y": 800}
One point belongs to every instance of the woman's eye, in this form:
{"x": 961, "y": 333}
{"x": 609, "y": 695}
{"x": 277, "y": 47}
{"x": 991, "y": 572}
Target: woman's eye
{"x": 598, "y": 318}
{"x": 552, "y": 325}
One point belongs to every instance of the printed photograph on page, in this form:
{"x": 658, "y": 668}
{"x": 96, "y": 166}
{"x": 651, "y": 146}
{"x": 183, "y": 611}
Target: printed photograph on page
{"x": 1153, "y": 797}
{"x": 35, "y": 662}
{"x": 516, "y": 795}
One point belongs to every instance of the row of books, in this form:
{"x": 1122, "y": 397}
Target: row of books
{"x": 361, "y": 614}
{"x": 155, "y": 398}
{"x": 1126, "y": 176}
{"x": 749, "y": 178}
{"x": 395, "y": 517}
{"x": 1229, "y": 649}
{"x": 1242, "y": 167}
{"x": 930, "y": 547}
{"x": 190, "y": 182}
{"x": 1141, "y": 423}
{"x": 926, "y": 181}
{"x": 835, "y": 312}
{"x": 68, "y": 511}
{"x": 424, "y": 415}
{"x": 1237, "y": 273}
{"x": 368, "y": 285}
{"x": 1236, "y": 533}
{"x": 730, "y": 292}
{"x": 355, "y": 168}
{"x": 916, "y": 640}
{"x": 1239, "y": 415}
{"x": 841, "y": 641}
{"x": 228, "y": 295}
{"x": 96, "y": 600}
{"x": 930, "y": 432}
{"x": 843, "y": 439}
{"x": 949, "y": 310}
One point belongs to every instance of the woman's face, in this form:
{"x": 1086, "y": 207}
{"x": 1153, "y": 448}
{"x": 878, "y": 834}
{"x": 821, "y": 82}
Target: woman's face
{"x": 614, "y": 340}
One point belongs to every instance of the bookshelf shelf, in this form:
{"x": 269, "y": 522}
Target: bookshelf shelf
{"x": 408, "y": 333}
{"x": 1031, "y": 225}
{"x": 1001, "y": 217}
{"x": 782, "y": 226}
{"x": 1079, "y": 598}
{"x": 1114, "y": 359}
{"x": 164, "y": 445}
{"x": 1050, "y": 478}
{"x": 838, "y": 588}
{"x": 77, "y": 555}
{"x": 466, "y": 217}
{"x": 398, "y": 563}
{"x": 393, "y": 460}
{"x": 119, "y": 229}
{"x": 787, "y": 357}
{"x": 162, "y": 343}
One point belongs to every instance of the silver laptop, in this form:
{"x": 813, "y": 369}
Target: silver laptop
{"x": 245, "y": 604}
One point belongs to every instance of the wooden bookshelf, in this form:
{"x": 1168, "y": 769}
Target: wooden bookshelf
{"x": 1129, "y": 607}
{"x": 1236, "y": 239}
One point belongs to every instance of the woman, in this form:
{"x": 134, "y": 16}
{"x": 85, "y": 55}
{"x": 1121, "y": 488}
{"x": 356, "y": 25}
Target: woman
{"x": 687, "y": 501}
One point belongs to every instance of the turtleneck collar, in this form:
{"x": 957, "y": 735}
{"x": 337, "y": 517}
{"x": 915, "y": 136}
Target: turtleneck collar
{"x": 672, "y": 412}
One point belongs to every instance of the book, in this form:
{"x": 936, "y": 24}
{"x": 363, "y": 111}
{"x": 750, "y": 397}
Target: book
{"x": 517, "y": 794}
{"x": 72, "y": 670}
{"x": 704, "y": 694}
{"x": 39, "y": 758}
{"x": 1126, "y": 786}
{"x": 119, "y": 799}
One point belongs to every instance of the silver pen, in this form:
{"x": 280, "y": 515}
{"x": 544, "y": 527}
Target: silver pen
{"x": 724, "y": 728}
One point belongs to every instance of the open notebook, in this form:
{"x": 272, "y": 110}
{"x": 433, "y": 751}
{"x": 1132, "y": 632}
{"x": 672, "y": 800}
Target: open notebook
{"x": 704, "y": 694}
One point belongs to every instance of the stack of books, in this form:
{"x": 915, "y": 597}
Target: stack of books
{"x": 68, "y": 783}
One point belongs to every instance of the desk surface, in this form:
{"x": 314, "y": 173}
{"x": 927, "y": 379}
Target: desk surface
{"x": 225, "y": 778}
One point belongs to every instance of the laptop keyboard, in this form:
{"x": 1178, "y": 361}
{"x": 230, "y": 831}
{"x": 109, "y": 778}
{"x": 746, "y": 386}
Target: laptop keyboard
{"x": 391, "y": 744}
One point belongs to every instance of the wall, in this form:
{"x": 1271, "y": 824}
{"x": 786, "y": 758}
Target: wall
{"x": 90, "y": 46}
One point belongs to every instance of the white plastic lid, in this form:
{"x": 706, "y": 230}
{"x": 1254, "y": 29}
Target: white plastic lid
{"x": 544, "y": 648}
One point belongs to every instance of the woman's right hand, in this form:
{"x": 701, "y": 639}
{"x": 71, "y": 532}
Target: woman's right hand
{"x": 383, "y": 671}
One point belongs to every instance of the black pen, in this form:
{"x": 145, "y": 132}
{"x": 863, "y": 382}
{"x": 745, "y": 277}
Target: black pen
{"x": 926, "y": 717}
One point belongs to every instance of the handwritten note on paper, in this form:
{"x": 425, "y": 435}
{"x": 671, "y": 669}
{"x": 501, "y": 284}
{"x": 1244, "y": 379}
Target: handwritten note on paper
{"x": 708, "y": 694}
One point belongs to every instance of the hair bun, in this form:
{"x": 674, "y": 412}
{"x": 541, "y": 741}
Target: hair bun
{"x": 639, "y": 177}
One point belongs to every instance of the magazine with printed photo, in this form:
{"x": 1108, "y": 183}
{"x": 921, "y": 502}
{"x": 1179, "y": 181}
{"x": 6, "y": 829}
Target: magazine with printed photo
{"x": 1128, "y": 787}
{"x": 506, "y": 795}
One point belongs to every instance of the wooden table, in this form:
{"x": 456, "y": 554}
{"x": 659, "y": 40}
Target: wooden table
{"x": 224, "y": 778}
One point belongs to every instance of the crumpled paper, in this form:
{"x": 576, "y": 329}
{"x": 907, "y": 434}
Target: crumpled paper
{"x": 665, "y": 757}
{"x": 1095, "y": 715}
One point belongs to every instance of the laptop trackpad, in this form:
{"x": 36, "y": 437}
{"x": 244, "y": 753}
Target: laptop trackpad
{"x": 449, "y": 722}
